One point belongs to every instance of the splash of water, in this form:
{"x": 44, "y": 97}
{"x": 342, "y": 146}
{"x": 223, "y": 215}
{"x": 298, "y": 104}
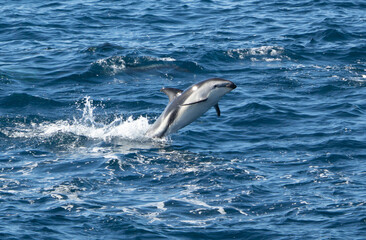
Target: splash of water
{"x": 87, "y": 126}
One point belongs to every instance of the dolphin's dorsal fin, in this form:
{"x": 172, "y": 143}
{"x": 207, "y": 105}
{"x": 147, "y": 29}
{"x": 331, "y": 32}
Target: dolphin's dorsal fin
{"x": 217, "y": 109}
{"x": 171, "y": 92}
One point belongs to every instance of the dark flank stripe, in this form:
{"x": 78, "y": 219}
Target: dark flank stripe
{"x": 172, "y": 117}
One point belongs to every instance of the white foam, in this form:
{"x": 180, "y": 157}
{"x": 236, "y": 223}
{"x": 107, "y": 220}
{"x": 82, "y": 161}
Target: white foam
{"x": 258, "y": 52}
{"x": 266, "y": 50}
{"x": 63, "y": 192}
{"x": 116, "y": 64}
{"x": 161, "y": 206}
{"x": 111, "y": 65}
{"x": 68, "y": 207}
{"x": 167, "y": 59}
{"x": 272, "y": 59}
{"x": 130, "y": 128}
{"x": 199, "y": 223}
{"x": 197, "y": 202}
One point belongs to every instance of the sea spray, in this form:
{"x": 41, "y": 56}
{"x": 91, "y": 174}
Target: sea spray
{"x": 86, "y": 126}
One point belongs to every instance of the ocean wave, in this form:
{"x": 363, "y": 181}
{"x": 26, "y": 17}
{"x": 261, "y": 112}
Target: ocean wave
{"x": 112, "y": 60}
{"x": 104, "y": 48}
{"x": 333, "y": 43}
{"x": 319, "y": 36}
{"x": 358, "y": 53}
{"x": 331, "y": 35}
{"x": 116, "y": 64}
{"x": 18, "y": 100}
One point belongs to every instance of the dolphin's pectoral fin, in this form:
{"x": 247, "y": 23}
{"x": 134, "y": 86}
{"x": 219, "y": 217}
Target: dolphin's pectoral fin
{"x": 217, "y": 109}
{"x": 199, "y": 101}
{"x": 171, "y": 92}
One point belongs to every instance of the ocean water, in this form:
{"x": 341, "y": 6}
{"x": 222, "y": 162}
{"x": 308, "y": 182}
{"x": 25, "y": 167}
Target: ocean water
{"x": 79, "y": 87}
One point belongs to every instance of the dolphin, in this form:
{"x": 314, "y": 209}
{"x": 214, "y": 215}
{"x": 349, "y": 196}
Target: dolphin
{"x": 186, "y": 106}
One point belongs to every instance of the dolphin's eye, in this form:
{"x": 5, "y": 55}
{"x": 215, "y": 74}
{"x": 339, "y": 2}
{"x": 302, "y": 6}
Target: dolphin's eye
{"x": 215, "y": 86}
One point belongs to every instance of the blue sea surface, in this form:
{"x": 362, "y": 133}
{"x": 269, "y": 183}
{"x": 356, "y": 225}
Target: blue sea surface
{"x": 79, "y": 87}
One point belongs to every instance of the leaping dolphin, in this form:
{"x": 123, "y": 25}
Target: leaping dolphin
{"x": 186, "y": 106}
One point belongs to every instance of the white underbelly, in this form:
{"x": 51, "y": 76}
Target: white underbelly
{"x": 188, "y": 114}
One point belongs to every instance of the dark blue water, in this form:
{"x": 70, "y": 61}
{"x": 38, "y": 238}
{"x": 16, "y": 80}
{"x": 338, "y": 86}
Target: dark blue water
{"x": 79, "y": 86}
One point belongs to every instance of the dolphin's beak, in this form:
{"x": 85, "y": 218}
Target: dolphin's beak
{"x": 231, "y": 85}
